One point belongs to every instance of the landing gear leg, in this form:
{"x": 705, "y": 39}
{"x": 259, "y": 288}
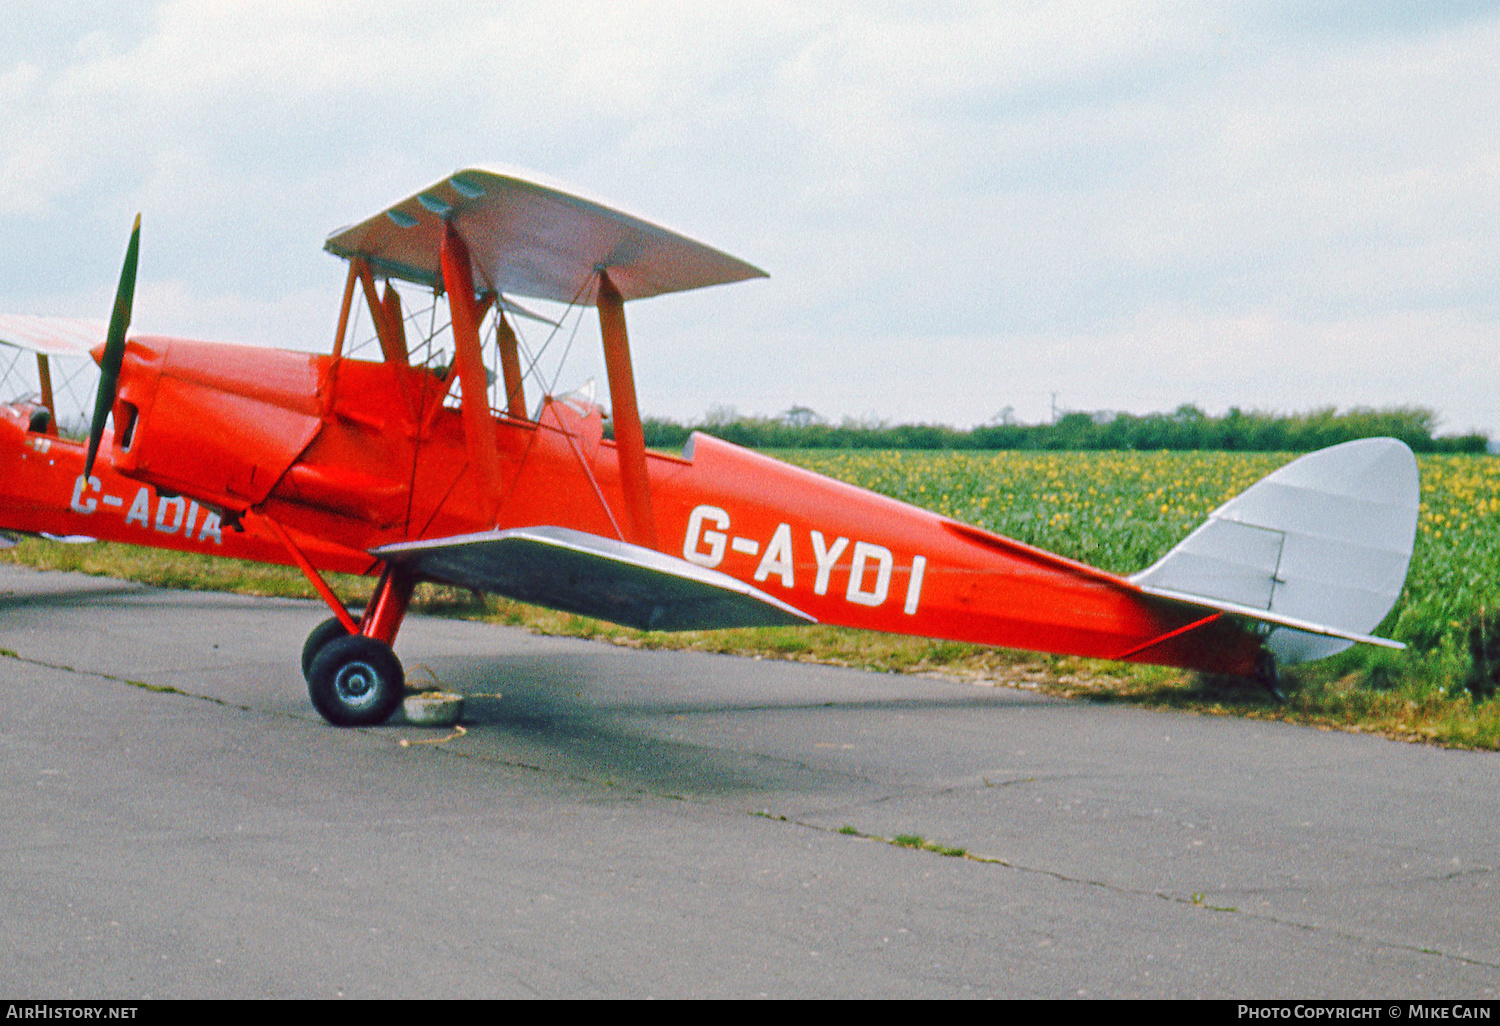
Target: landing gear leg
{"x": 353, "y": 677}
{"x": 1268, "y": 676}
{"x": 356, "y": 680}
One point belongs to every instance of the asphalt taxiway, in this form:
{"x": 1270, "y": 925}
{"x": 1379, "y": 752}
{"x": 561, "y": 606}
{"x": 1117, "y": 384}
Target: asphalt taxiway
{"x": 180, "y": 822}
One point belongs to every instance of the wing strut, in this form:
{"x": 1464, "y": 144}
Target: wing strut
{"x": 44, "y": 375}
{"x": 390, "y": 329}
{"x": 338, "y": 338}
{"x": 510, "y": 366}
{"x": 479, "y": 427}
{"x": 386, "y": 314}
{"x": 630, "y": 440}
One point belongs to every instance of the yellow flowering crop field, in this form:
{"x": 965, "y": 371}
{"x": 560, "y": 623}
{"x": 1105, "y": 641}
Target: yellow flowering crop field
{"x": 1122, "y": 510}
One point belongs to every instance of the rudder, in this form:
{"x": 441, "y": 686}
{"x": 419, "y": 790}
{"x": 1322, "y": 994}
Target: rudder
{"x": 1327, "y": 539}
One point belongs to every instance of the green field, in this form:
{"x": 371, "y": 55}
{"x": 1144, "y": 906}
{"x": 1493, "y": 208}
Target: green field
{"x": 1116, "y": 510}
{"x": 1122, "y": 510}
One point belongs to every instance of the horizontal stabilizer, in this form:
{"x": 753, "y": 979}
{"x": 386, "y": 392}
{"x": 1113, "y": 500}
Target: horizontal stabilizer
{"x": 1318, "y": 549}
{"x": 1267, "y": 617}
{"x": 593, "y": 576}
{"x": 54, "y": 336}
{"x": 529, "y": 238}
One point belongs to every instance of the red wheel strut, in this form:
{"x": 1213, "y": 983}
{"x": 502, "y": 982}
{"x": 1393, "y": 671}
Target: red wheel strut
{"x": 387, "y": 606}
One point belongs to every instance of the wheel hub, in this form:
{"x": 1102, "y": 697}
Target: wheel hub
{"x": 355, "y": 683}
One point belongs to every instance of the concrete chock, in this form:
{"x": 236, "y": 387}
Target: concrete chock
{"x": 433, "y": 709}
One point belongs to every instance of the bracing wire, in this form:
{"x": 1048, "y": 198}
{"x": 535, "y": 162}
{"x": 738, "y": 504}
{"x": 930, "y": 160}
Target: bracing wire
{"x": 354, "y": 332}
{"x": 531, "y": 369}
{"x": 532, "y": 355}
{"x": 524, "y": 351}
{"x": 562, "y": 360}
{"x": 83, "y": 370}
{"x": 10, "y": 369}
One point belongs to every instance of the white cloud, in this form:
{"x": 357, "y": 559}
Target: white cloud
{"x": 1134, "y": 205}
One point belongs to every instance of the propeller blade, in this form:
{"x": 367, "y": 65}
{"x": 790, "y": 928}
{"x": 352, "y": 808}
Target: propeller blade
{"x": 114, "y": 347}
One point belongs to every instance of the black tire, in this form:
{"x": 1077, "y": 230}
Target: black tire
{"x": 356, "y": 681}
{"x": 329, "y": 630}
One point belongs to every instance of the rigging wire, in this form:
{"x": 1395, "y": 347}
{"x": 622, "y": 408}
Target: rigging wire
{"x": 10, "y": 369}
{"x": 83, "y": 370}
{"x": 523, "y": 351}
{"x": 419, "y": 437}
{"x": 491, "y": 374}
{"x": 534, "y": 360}
{"x": 354, "y": 332}
{"x": 427, "y": 353}
{"x": 531, "y": 368}
{"x": 562, "y": 360}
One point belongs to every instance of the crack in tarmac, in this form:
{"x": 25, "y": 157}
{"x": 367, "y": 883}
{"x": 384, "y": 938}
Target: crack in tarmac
{"x": 161, "y": 689}
{"x": 579, "y": 778}
{"x": 1457, "y": 873}
{"x": 1195, "y": 901}
{"x": 15, "y": 600}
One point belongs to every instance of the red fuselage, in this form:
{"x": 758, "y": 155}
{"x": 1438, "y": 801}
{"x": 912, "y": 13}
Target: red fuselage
{"x": 354, "y": 454}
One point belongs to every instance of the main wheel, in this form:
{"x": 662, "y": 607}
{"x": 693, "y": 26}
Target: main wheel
{"x": 356, "y": 681}
{"x": 320, "y": 636}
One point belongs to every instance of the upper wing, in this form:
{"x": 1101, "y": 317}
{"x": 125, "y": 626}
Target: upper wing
{"x": 54, "y": 336}
{"x": 593, "y": 576}
{"x": 532, "y": 239}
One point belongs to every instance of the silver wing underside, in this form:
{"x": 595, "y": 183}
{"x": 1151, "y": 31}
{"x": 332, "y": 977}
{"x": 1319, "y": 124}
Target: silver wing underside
{"x": 593, "y": 576}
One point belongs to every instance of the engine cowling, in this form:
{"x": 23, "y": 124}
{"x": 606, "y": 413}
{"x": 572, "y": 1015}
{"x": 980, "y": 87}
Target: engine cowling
{"x": 221, "y": 423}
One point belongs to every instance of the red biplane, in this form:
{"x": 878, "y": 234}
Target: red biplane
{"x": 410, "y": 466}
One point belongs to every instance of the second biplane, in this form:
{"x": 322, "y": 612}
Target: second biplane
{"x": 414, "y": 466}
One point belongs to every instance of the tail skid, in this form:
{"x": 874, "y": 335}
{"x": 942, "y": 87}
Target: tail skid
{"x": 1317, "y": 551}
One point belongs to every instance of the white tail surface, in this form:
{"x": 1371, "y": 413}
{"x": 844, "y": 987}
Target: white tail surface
{"x": 1326, "y": 539}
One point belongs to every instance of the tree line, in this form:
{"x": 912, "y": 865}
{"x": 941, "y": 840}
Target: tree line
{"x": 1185, "y": 428}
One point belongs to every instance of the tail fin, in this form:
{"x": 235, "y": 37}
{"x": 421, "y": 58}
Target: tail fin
{"x": 1318, "y": 550}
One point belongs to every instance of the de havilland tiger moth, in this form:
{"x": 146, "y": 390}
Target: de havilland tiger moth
{"x": 409, "y": 470}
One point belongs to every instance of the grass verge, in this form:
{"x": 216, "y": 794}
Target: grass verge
{"x": 1409, "y": 696}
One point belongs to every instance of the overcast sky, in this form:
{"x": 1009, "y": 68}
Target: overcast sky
{"x": 962, "y": 207}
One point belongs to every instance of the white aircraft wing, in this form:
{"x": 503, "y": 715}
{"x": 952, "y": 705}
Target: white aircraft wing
{"x": 54, "y": 336}
{"x": 536, "y": 239}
